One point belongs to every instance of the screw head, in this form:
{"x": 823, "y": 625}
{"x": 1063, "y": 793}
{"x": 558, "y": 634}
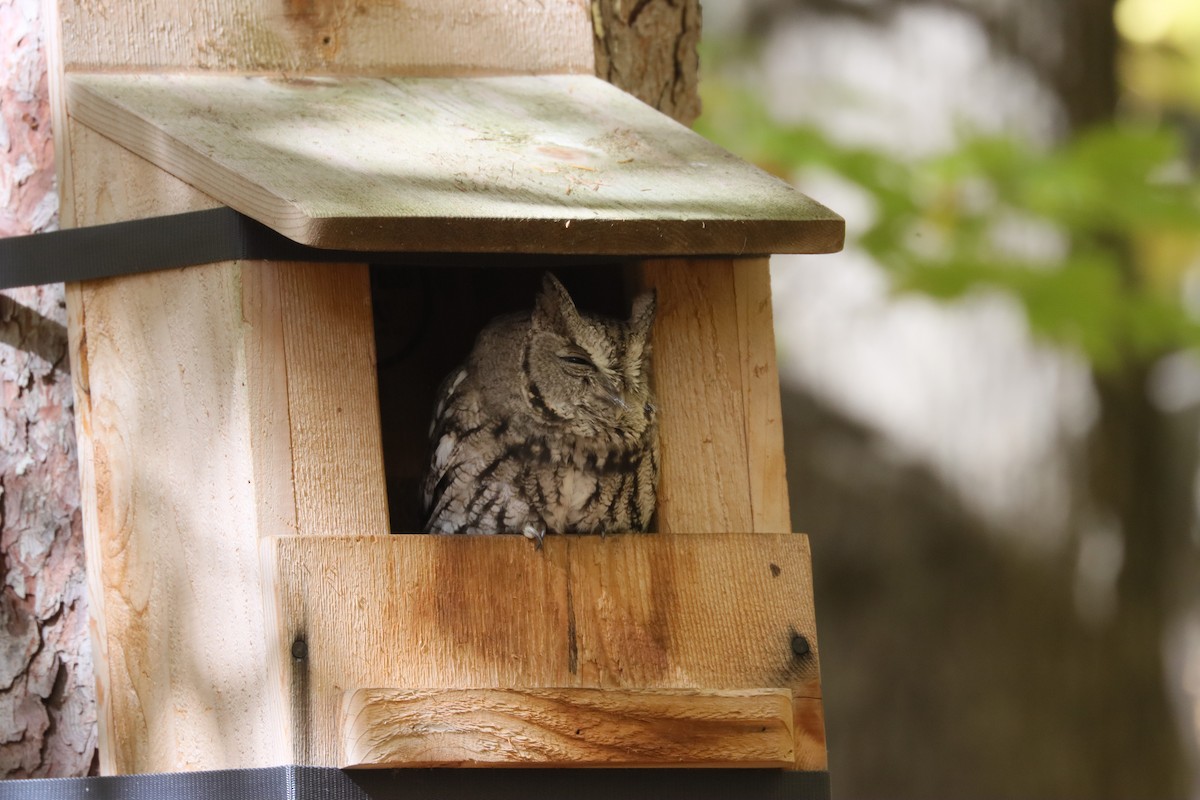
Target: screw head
{"x": 299, "y": 649}
{"x": 800, "y": 645}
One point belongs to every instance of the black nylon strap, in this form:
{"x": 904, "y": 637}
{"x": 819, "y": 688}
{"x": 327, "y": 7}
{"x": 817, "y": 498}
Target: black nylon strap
{"x": 202, "y": 237}
{"x": 145, "y": 245}
{"x": 123, "y": 248}
{"x": 234, "y": 784}
{"x": 320, "y": 783}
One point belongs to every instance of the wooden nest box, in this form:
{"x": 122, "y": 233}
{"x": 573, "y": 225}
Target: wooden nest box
{"x": 250, "y": 605}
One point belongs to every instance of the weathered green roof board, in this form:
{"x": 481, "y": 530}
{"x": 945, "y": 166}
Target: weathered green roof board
{"x": 563, "y": 164}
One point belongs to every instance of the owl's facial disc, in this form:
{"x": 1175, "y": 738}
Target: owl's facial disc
{"x": 589, "y": 381}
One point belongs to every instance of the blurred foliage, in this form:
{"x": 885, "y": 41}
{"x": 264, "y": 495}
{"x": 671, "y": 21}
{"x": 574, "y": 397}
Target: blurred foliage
{"x": 1094, "y": 237}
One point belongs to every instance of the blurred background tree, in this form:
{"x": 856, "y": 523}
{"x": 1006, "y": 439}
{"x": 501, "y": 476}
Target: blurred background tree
{"x": 1001, "y": 489}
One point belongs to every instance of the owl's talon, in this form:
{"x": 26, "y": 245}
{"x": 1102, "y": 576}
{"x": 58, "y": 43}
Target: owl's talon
{"x": 536, "y": 534}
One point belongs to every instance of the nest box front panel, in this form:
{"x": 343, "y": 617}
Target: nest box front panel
{"x": 707, "y": 613}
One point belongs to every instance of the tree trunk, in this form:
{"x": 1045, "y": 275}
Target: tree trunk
{"x": 1135, "y": 480}
{"x": 648, "y": 48}
{"x": 47, "y": 696}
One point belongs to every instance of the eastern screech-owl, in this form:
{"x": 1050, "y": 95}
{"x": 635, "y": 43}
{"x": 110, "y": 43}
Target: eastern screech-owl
{"x": 549, "y": 426}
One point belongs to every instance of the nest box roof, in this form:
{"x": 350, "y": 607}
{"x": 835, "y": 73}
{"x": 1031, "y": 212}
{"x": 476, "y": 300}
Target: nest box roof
{"x": 561, "y": 164}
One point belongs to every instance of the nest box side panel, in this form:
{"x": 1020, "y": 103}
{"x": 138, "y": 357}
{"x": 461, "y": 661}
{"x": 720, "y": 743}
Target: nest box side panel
{"x": 215, "y": 405}
{"x": 765, "y": 461}
{"x": 151, "y": 490}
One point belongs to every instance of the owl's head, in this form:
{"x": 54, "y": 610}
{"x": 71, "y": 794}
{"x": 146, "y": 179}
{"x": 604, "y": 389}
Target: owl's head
{"x": 589, "y": 372}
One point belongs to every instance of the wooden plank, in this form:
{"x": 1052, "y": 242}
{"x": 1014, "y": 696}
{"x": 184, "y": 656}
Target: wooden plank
{"x": 106, "y": 725}
{"x": 537, "y": 164}
{"x": 414, "y": 37}
{"x": 271, "y": 442}
{"x": 168, "y": 440}
{"x": 760, "y": 388}
{"x": 159, "y": 444}
{"x": 332, "y": 399}
{"x": 708, "y": 612}
{"x": 717, "y": 386}
{"x": 808, "y": 721}
{"x": 567, "y": 728}
{"x": 705, "y": 482}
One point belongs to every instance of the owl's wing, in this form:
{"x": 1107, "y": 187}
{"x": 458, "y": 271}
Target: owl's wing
{"x": 447, "y": 437}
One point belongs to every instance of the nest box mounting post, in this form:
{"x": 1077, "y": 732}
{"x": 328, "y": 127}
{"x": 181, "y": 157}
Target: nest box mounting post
{"x": 249, "y": 605}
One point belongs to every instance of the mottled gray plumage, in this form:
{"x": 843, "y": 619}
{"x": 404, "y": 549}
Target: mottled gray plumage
{"x": 549, "y": 426}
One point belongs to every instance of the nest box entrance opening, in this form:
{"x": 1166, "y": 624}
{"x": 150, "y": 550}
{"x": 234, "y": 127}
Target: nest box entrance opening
{"x": 427, "y": 318}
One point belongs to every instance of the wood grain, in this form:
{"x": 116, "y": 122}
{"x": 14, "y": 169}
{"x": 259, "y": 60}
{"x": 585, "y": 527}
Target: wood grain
{"x": 808, "y": 717}
{"x": 186, "y": 414}
{"x": 717, "y": 386}
{"x": 161, "y": 453}
{"x": 567, "y": 728}
{"x": 332, "y": 400}
{"x": 271, "y": 442}
{"x": 169, "y": 443}
{"x": 705, "y": 483}
{"x": 286, "y": 36}
{"x": 760, "y": 390}
{"x": 537, "y": 164}
{"x": 708, "y": 612}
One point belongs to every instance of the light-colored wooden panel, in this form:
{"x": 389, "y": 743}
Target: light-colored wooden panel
{"x": 410, "y": 37}
{"x": 717, "y": 386}
{"x": 537, "y": 164}
{"x": 625, "y": 612}
{"x": 106, "y": 727}
{"x": 760, "y": 388}
{"x": 115, "y": 185}
{"x": 271, "y": 442}
{"x": 567, "y": 728}
{"x": 332, "y": 398}
{"x": 169, "y": 445}
{"x": 705, "y": 484}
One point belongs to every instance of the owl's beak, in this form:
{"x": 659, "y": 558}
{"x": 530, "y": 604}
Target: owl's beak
{"x": 612, "y": 394}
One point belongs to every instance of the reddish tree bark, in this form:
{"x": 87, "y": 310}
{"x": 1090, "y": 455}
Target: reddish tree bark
{"x": 47, "y": 694}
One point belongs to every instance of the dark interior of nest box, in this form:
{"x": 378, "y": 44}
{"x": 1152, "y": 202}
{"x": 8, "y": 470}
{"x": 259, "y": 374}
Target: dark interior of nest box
{"x": 426, "y": 320}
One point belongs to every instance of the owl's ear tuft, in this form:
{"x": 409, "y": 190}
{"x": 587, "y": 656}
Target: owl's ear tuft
{"x": 554, "y": 307}
{"x": 642, "y": 318}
